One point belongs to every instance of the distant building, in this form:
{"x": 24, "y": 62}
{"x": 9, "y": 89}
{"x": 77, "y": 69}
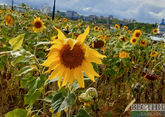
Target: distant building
{"x": 161, "y": 27}
{"x": 46, "y": 9}
{"x": 72, "y": 14}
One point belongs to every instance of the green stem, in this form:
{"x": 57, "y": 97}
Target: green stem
{"x": 69, "y": 109}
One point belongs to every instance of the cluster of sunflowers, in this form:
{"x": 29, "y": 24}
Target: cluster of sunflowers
{"x": 72, "y": 53}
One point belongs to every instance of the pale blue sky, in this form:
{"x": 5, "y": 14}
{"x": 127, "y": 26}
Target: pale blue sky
{"x": 142, "y": 10}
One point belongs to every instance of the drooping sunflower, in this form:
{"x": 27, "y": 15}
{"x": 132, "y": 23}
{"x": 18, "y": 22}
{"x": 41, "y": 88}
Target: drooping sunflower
{"x": 69, "y": 58}
{"x": 143, "y": 43}
{"x": 96, "y": 28}
{"x": 133, "y": 40}
{"x": 9, "y": 20}
{"x": 124, "y": 54}
{"x": 154, "y": 54}
{"x": 137, "y": 33}
{"x": 155, "y": 31}
{"x": 116, "y": 26}
{"x": 38, "y": 25}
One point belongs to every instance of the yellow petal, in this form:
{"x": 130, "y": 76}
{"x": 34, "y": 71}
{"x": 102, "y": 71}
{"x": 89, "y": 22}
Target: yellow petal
{"x": 95, "y": 53}
{"x": 93, "y": 59}
{"x": 53, "y": 65}
{"x": 60, "y": 34}
{"x": 71, "y": 43}
{"x": 79, "y": 76}
{"x": 66, "y": 77}
{"x": 57, "y": 70}
{"x": 81, "y": 38}
{"x": 50, "y": 60}
{"x": 88, "y": 68}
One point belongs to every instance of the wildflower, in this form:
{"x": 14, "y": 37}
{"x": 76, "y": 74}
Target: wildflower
{"x": 38, "y": 25}
{"x": 68, "y": 58}
{"x": 143, "y": 43}
{"x": 123, "y": 54}
{"x": 9, "y": 20}
{"x": 154, "y": 54}
{"x": 96, "y": 28}
{"x": 137, "y": 33}
{"x": 117, "y": 26}
{"x": 133, "y": 40}
{"x": 155, "y": 31}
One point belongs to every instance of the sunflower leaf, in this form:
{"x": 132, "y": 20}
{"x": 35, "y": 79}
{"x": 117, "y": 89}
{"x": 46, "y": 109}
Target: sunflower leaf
{"x": 61, "y": 101}
{"x": 16, "y": 42}
{"x": 17, "y": 113}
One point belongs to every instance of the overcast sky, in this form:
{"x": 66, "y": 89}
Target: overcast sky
{"x": 141, "y": 10}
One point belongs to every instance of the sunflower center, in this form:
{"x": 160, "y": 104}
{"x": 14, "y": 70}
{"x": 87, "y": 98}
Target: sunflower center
{"x": 38, "y": 24}
{"x": 143, "y": 42}
{"x": 134, "y": 40}
{"x": 72, "y": 58}
{"x": 137, "y": 34}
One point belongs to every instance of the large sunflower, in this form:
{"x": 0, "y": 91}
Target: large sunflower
{"x": 69, "y": 58}
{"x": 38, "y": 25}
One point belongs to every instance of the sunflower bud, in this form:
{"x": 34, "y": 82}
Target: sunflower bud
{"x": 85, "y": 98}
{"x": 91, "y": 92}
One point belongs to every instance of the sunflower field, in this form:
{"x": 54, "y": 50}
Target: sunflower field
{"x": 66, "y": 68}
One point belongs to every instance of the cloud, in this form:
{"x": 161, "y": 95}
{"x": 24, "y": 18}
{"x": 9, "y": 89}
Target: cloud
{"x": 142, "y": 10}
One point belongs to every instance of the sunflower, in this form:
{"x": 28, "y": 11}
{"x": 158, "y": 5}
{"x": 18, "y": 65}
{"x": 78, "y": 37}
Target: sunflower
{"x": 133, "y": 40}
{"x": 116, "y": 26}
{"x": 38, "y": 25}
{"x": 151, "y": 77}
{"x": 155, "y": 31}
{"x": 123, "y": 38}
{"x": 125, "y": 27}
{"x": 154, "y": 54}
{"x": 98, "y": 44}
{"x": 64, "y": 19}
{"x": 9, "y": 20}
{"x": 137, "y": 33}
{"x": 96, "y": 28}
{"x": 124, "y": 54}
{"x": 143, "y": 43}
{"x": 69, "y": 58}
{"x": 130, "y": 32}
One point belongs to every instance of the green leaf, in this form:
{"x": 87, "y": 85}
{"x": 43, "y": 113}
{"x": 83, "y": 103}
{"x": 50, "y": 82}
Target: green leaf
{"x": 17, "y": 113}
{"x": 82, "y": 113}
{"x": 16, "y": 43}
{"x": 61, "y": 101}
{"x": 31, "y": 97}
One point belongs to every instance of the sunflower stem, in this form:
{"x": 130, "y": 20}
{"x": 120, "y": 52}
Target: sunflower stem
{"x": 69, "y": 109}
